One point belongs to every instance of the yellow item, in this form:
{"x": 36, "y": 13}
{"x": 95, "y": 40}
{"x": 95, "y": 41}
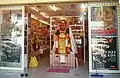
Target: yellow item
{"x": 33, "y": 62}
{"x": 69, "y": 46}
{"x": 62, "y": 36}
{"x": 61, "y": 44}
{"x": 36, "y": 61}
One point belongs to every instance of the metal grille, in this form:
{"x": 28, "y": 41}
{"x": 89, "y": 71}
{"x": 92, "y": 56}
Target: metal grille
{"x": 55, "y": 61}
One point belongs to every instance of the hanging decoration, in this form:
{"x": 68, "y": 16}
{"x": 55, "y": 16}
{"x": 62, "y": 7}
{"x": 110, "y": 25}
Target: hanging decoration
{"x": 35, "y": 43}
{"x": 73, "y": 7}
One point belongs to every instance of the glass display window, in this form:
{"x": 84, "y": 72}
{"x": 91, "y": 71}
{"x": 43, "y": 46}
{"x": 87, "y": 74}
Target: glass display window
{"x": 103, "y": 39}
{"x": 11, "y": 37}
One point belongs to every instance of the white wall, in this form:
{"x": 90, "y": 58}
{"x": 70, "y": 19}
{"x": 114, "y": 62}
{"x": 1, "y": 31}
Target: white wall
{"x": 39, "y": 1}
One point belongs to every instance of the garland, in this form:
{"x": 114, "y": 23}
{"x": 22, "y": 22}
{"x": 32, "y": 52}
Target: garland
{"x": 35, "y": 42}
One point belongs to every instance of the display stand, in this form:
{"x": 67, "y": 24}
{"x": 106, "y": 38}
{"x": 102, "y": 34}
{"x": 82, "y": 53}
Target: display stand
{"x": 75, "y": 36}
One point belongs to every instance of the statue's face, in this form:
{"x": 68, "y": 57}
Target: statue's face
{"x": 62, "y": 24}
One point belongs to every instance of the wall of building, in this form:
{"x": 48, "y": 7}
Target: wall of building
{"x": 40, "y": 1}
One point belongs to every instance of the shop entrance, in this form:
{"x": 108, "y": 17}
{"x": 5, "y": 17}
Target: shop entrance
{"x": 43, "y": 22}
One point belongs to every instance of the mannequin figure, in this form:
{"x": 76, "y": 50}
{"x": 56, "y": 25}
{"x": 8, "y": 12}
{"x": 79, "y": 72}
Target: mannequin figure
{"x": 62, "y": 40}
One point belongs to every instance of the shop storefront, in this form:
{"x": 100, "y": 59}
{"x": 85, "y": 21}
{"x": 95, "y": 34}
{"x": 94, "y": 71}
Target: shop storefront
{"x": 21, "y": 30}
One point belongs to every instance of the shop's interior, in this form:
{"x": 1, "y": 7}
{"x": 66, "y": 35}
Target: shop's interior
{"x": 41, "y": 23}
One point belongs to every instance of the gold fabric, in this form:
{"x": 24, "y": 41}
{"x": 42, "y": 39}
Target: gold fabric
{"x": 62, "y": 43}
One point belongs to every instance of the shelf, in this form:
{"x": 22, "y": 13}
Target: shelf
{"x": 76, "y": 33}
{"x": 73, "y": 31}
{"x": 77, "y": 30}
{"x": 69, "y": 25}
{"x": 77, "y": 25}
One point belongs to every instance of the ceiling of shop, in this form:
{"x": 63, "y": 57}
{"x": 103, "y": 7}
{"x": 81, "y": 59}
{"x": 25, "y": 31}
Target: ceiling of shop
{"x": 68, "y": 9}
{"x": 65, "y": 9}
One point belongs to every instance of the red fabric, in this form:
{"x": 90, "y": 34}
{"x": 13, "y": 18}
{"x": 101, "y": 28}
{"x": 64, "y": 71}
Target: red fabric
{"x": 67, "y": 50}
{"x": 56, "y": 52}
{"x": 105, "y": 32}
{"x": 59, "y": 70}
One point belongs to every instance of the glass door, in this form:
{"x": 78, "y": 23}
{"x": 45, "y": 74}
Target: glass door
{"x": 12, "y": 37}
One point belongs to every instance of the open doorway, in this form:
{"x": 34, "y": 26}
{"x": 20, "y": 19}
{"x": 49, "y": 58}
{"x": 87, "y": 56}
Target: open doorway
{"x": 42, "y": 21}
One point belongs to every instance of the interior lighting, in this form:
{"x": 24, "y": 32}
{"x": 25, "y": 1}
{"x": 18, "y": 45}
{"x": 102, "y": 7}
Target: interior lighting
{"x": 35, "y": 9}
{"x": 62, "y": 18}
{"x": 53, "y": 7}
{"x": 44, "y": 14}
{"x": 44, "y": 22}
{"x": 34, "y": 17}
{"x": 83, "y": 7}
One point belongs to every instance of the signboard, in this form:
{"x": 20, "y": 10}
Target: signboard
{"x": 104, "y": 38}
{"x": 107, "y": 16}
{"x": 104, "y": 53}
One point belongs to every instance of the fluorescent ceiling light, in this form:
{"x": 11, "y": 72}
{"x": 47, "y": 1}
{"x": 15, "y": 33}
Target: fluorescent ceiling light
{"x": 62, "y": 18}
{"x": 44, "y": 14}
{"x": 44, "y": 22}
{"x": 54, "y": 8}
{"x": 33, "y": 16}
{"x": 83, "y": 7}
{"x": 35, "y": 9}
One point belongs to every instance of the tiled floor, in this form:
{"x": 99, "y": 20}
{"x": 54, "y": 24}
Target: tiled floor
{"x": 41, "y": 72}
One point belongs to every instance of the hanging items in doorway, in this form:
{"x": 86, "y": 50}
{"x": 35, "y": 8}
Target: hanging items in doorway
{"x": 35, "y": 42}
{"x": 73, "y": 8}
{"x": 35, "y": 33}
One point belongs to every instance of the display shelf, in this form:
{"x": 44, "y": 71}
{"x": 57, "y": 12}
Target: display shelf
{"x": 76, "y": 30}
{"x": 37, "y": 36}
{"x": 70, "y": 25}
